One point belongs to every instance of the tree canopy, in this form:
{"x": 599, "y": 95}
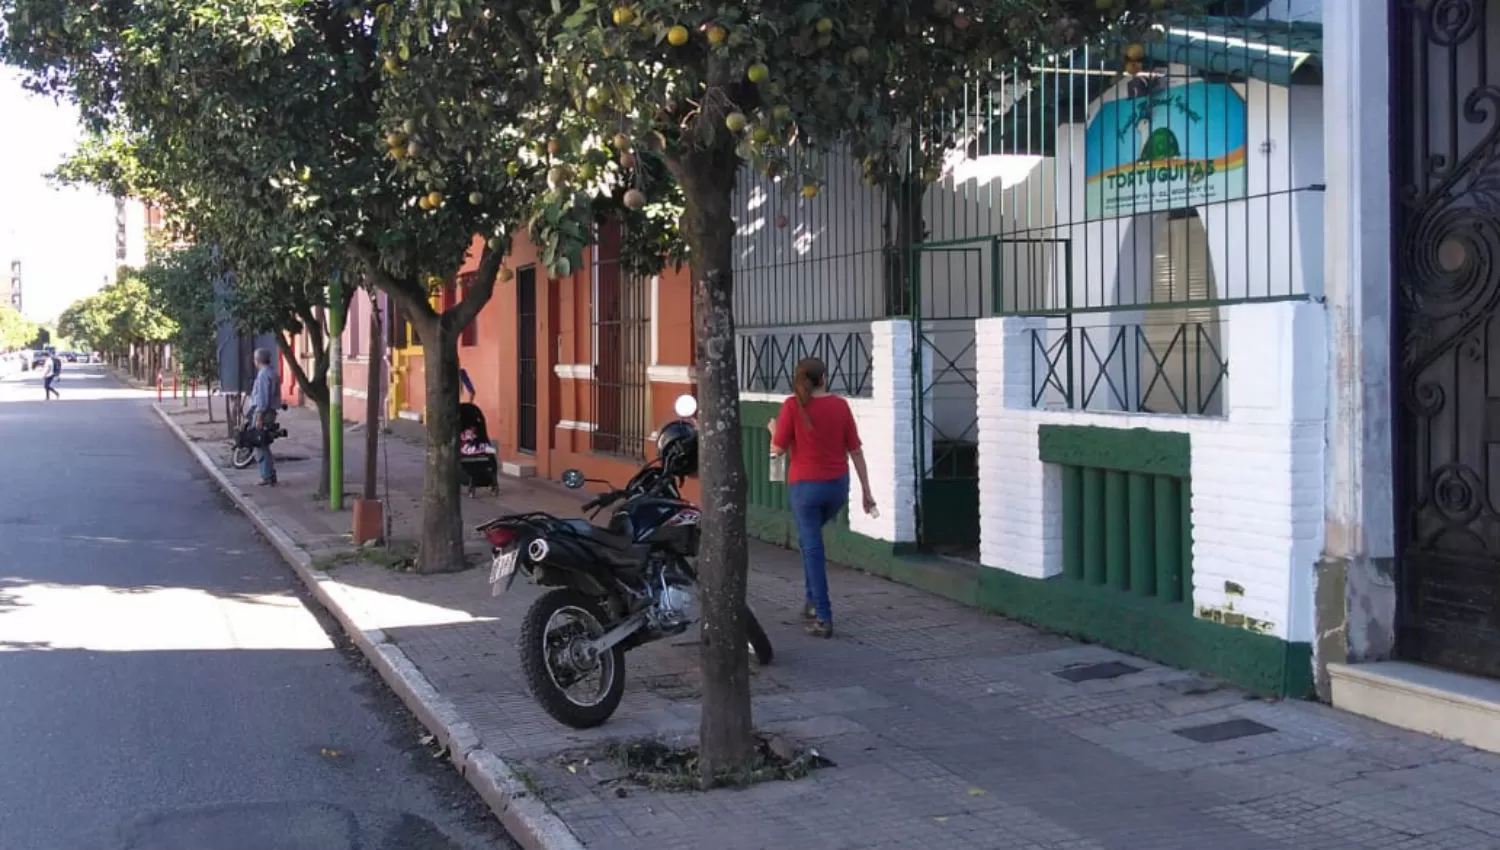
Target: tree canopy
{"x": 16, "y": 331}
{"x": 181, "y": 284}
{"x": 120, "y": 315}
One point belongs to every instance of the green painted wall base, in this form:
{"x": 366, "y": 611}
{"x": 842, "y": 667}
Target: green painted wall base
{"x": 1261, "y": 664}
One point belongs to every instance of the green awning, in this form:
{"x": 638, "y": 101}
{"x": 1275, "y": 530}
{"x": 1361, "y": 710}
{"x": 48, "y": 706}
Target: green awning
{"x": 1281, "y": 53}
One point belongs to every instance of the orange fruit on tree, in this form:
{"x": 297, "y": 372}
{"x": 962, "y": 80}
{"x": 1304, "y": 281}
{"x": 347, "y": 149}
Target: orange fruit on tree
{"x": 810, "y": 190}
{"x": 677, "y": 36}
{"x": 623, "y": 15}
{"x": 758, "y": 73}
{"x": 716, "y": 34}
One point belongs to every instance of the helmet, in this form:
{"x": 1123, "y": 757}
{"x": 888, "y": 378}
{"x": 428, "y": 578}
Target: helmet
{"x": 677, "y": 444}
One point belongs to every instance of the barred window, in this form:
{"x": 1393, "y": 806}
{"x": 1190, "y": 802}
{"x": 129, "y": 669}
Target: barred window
{"x": 622, "y": 354}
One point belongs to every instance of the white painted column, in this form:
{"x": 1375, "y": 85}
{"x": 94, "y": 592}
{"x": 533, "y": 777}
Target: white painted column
{"x": 886, "y": 428}
{"x": 1360, "y": 521}
{"x": 1017, "y": 531}
{"x": 1257, "y": 475}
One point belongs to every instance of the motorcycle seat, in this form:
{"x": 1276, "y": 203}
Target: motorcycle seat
{"x": 604, "y": 536}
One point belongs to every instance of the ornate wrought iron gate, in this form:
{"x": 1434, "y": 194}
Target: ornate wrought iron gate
{"x": 1446, "y": 115}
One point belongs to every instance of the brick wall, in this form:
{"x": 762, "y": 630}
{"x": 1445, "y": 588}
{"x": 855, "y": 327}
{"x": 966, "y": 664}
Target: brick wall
{"x": 1257, "y": 474}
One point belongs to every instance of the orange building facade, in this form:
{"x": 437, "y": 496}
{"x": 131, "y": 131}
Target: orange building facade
{"x": 571, "y": 372}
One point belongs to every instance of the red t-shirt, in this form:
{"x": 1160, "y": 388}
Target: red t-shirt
{"x": 819, "y": 452}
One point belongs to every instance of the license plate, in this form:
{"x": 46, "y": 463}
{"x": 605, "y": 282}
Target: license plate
{"x": 504, "y": 565}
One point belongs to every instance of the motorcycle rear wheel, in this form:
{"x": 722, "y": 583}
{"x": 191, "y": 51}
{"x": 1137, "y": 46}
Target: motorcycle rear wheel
{"x": 242, "y": 457}
{"x": 538, "y": 660}
{"x": 760, "y": 643}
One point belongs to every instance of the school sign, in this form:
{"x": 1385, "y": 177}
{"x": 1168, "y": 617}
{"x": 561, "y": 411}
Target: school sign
{"x": 1183, "y": 146}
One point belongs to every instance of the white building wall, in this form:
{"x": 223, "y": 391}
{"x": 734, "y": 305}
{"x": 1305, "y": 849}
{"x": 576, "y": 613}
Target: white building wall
{"x": 1257, "y": 475}
{"x": 885, "y": 427}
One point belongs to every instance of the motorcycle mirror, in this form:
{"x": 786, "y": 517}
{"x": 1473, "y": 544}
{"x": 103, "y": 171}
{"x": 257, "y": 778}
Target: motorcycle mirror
{"x": 573, "y": 479}
{"x": 686, "y": 406}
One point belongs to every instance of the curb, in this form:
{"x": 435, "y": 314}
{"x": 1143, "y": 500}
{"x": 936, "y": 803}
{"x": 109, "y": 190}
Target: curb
{"x": 531, "y": 822}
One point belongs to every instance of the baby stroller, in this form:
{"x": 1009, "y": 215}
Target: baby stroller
{"x": 477, "y": 459}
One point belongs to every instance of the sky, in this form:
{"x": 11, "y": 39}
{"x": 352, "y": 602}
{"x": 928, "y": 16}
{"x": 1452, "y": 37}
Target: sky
{"x": 64, "y": 238}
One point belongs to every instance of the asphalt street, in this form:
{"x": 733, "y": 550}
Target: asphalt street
{"x": 163, "y": 684}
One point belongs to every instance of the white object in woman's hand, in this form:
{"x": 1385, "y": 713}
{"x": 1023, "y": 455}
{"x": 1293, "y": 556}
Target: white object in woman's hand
{"x": 871, "y": 509}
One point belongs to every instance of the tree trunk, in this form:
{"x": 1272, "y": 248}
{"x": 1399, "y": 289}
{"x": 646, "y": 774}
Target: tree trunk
{"x": 323, "y": 401}
{"x": 904, "y": 217}
{"x": 442, "y": 546}
{"x": 725, "y": 733}
{"x": 373, "y": 383}
{"x": 315, "y": 387}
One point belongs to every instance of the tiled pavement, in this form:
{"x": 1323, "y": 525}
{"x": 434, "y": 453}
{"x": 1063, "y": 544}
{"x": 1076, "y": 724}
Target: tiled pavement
{"x": 950, "y": 728}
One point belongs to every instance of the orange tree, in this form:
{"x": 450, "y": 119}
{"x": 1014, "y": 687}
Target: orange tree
{"x": 703, "y": 90}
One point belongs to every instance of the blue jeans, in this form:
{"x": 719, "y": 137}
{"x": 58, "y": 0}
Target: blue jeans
{"x": 814, "y": 505}
{"x": 267, "y": 464}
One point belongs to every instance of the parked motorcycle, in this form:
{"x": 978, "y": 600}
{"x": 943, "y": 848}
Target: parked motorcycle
{"x": 250, "y": 438}
{"x": 615, "y": 588}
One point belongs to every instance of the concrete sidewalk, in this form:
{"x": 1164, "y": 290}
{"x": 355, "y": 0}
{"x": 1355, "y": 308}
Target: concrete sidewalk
{"x": 949, "y": 728}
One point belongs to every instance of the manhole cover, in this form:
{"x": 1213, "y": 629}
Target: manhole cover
{"x": 1091, "y": 672}
{"x": 1226, "y": 731}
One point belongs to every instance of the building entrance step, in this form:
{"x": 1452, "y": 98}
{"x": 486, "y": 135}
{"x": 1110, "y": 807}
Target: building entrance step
{"x": 1423, "y": 699}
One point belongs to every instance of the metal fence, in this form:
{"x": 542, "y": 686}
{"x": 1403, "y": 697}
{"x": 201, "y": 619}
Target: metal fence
{"x": 768, "y": 358}
{"x": 1128, "y": 194}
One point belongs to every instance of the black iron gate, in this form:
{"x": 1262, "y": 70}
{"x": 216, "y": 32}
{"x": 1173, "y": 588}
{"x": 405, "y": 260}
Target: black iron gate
{"x": 1446, "y": 120}
{"x": 526, "y": 360}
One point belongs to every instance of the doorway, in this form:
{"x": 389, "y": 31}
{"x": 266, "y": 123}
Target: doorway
{"x": 1447, "y": 405}
{"x": 526, "y": 359}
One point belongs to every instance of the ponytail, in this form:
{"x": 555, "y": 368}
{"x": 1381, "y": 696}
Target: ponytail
{"x": 808, "y": 377}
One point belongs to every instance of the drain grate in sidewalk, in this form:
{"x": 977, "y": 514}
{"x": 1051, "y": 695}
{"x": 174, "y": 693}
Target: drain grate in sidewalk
{"x": 1096, "y": 672}
{"x": 1228, "y": 730}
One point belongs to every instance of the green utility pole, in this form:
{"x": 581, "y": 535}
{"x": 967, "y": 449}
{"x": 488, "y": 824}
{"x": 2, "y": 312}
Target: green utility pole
{"x": 335, "y": 394}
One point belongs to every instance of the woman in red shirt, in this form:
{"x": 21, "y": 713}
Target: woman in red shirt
{"x": 818, "y": 431}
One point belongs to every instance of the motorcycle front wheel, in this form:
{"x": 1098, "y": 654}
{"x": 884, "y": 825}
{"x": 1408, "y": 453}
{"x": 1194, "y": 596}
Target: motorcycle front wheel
{"x": 554, "y": 659}
{"x": 242, "y": 457}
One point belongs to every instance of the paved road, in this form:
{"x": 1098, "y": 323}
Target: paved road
{"x": 162, "y": 685}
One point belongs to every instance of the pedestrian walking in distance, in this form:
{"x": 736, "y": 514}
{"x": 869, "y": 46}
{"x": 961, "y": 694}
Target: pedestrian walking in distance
{"x": 817, "y": 430}
{"x": 49, "y": 377}
{"x": 262, "y": 395}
